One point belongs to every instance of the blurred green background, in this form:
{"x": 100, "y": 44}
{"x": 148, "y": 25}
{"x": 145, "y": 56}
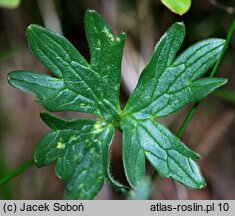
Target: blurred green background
{"x": 211, "y": 132}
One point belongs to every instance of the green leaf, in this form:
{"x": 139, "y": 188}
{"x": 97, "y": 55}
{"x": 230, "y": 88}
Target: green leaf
{"x": 179, "y": 7}
{"x": 173, "y": 83}
{"x": 77, "y": 86}
{"x": 10, "y": 4}
{"x": 166, "y": 85}
{"x": 56, "y": 123}
{"x": 81, "y": 147}
{"x": 99, "y": 84}
{"x": 78, "y": 155}
{"x": 170, "y": 157}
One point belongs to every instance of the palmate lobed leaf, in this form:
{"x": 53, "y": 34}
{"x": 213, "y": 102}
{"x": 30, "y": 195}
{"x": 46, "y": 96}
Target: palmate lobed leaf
{"x": 81, "y": 148}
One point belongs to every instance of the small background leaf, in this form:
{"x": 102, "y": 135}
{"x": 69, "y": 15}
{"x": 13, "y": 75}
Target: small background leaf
{"x": 177, "y": 6}
{"x": 10, "y": 4}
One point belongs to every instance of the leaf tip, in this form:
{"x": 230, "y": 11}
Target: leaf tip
{"x": 43, "y": 114}
{"x": 11, "y": 76}
{"x": 121, "y": 37}
{"x": 201, "y": 184}
{"x": 91, "y": 12}
{"x": 34, "y": 28}
{"x": 219, "y": 81}
{"x": 36, "y": 161}
{"x": 31, "y": 27}
{"x": 180, "y": 23}
{"x": 180, "y": 26}
{"x": 196, "y": 156}
{"x": 224, "y": 81}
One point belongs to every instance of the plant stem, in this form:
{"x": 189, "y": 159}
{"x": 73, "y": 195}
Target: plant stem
{"x": 6, "y": 192}
{"x": 187, "y": 120}
{"x": 226, "y": 44}
{"x": 16, "y": 172}
{"x": 213, "y": 73}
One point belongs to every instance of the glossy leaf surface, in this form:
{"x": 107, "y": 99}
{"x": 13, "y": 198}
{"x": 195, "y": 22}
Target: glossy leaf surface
{"x": 167, "y": 84}
{"x": 81, "y": 147}
{"x": 76, "y": 146}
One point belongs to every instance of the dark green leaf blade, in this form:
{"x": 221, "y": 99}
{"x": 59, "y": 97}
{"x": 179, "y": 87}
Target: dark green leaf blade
{"x": 176, "y": 82}
{"x": 132, "y": 153}
{"x": 163, "y": 56}
{"x": 87, "y": 180}
{"x": 59, "y": 55}
{"x": 54, "y": 50}
{"x": 53, "y": 94}
{"x": 81, "y": 154}
{"x": 195, "y": 91}
{"x": 81, "y": 148}
{"x": 60, "y": 144}
{"x": 176, "y": 161}
{"x": 56, "y": 123}
{"x": 106, "y": 55}
{"x": 170, "y": 157}
{"x": 40, "y": 85}
{"x": 65, "y": 61}
{"x": 78, "y": 156}
{"x": 86, "y": 88}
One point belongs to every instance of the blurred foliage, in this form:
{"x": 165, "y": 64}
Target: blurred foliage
{"x": 10, "y": 4}
{"x": 179, "y": 7}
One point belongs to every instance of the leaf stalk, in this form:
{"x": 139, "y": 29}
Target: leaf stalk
{"x": 16, "y": 172}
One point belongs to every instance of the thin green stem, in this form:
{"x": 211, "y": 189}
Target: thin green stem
{"x": 213, "y": 73}
{"x": 6, "y": 192}
{"x": 187, "y": 120}
{"x": 226, "y": 44}
{"x": 16, "y": 172}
